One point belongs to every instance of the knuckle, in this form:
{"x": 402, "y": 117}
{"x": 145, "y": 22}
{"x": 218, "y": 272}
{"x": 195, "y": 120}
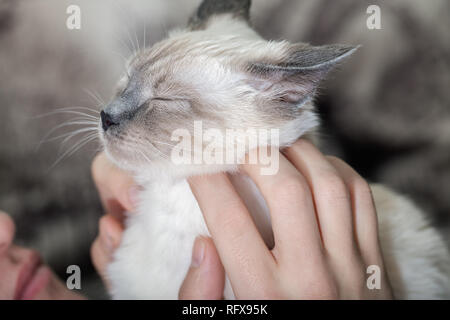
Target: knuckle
{"x": 292, "y": 188}
{"x": 333, "y": 187}
{"x": 231, "y": 217}
{"x": 362, "y": 188}
{"x": 232, "y": 207}
{"x": 324, "y": 288}
{"x": 358, "y": 281}
{"x": 333, "y": 158}
{"x": 267, "y": 292}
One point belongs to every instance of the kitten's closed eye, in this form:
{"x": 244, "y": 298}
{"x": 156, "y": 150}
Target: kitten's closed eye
{"x": 171, "y": 99}
{"x": 122, "y": 84}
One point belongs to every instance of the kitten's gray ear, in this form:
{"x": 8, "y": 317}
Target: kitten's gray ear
{"x": 208, "y": 8}
{"x": 296, "y": 77}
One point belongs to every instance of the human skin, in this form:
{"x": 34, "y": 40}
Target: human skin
{"x": 323, "y": 218}
{"x": 323, "y": 241}
{"x": 23, "y": 275}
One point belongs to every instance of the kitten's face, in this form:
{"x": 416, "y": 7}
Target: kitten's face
{"x": 182, "y": 79}
{"x": 226, "y": 79}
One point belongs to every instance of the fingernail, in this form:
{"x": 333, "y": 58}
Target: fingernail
{"x": 198, "y": 252}
{"x": 133, "y": 195}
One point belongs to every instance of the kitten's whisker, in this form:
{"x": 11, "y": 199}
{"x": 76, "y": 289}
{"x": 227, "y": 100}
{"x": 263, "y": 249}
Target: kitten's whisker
{"x": 137, "y": 39}
{"x": 79, "y": 108}
{"x": 69, "y": 110}
{"x": 123, "y": 44}
{"x": 164, "y": 143}
{"x": 134, "y": 51}
{"x": 145, "y": 28}
{"x": 129, "y": 50}
{"x": 157, "y": 150}
{"x": 90, "y": 124}
{"x": 73, "y": 122}
{"x": 145, "y": 157}
{"x": 82, "y": 143}
{"x": 170, "y": 145}
{"x": 74, "y": 148}
{"x": 129, "y": 19}
{"x": 125, "y": 61}
{"x": 118, "y": 7}
{"x": 87, "y": 116}
{"x": 97, "y": 98}
{"x": 92, "y": 134}
{"x": 70, "y": 134}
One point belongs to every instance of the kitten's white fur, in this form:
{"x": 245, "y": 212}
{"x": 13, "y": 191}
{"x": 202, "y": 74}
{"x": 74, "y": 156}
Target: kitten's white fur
{"x": 156, "y": 247}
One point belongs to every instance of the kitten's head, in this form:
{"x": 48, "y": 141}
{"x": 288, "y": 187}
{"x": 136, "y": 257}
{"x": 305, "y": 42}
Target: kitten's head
{"x": 218, "y": 74}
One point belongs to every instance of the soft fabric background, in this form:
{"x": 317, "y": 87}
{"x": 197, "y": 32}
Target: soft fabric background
{"x": 386, "y": 112}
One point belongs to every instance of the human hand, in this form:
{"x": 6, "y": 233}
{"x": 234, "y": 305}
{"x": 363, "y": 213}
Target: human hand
{"x": 324, "y": 223}
{"x": 117, "y": 192}
{"x": 205, "y": 277}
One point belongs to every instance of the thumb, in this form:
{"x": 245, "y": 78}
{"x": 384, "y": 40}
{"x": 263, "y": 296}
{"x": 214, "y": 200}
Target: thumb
{"x": 206, "y": 276}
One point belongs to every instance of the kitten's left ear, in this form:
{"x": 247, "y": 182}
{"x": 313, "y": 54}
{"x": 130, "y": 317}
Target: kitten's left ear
{"x": 295, "y": 78}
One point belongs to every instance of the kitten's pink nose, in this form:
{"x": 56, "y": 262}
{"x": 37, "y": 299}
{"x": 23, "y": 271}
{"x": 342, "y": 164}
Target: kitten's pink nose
{"x": 107, "y": 120}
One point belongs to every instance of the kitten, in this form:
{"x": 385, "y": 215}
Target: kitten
{"x": 221, "y": 72}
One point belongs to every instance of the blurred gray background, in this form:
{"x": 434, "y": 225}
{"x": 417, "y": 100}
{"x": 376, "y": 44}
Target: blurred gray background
{"x": 387, "y": 112}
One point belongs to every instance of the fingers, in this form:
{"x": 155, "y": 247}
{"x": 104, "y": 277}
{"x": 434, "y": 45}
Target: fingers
{"x": 365, "y": 216}
{"x": 331, "y": 197}
{"x": 242, "y": 250}
{"x": 116, "y": 187}
{"x": 7, "y": 230}
{"x": 291, "y": 208}
{"x": 365, "y": 222}
{"x": 206, "y": 277}
{"x": 108, "y": 240}
{"x": 118, "y": 193}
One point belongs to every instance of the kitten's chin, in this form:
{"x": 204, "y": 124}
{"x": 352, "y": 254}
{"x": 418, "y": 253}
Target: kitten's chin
{"x": 123, "y": 159}
{"x": 151, "y": 169}
{"x": 167, "y": 170}
{"x": 119, "y": 161}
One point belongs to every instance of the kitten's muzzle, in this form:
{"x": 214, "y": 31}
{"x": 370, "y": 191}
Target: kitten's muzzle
{"x": 107, "y": 120}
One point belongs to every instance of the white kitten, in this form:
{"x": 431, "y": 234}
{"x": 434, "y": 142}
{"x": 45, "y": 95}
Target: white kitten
{"x": 221, "y": 72}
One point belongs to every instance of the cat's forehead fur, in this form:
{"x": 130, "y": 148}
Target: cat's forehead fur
{"x": 209, "y": 59}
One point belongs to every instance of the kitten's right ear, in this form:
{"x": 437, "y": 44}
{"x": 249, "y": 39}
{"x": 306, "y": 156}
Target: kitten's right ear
{"x": 208, "y": 8}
